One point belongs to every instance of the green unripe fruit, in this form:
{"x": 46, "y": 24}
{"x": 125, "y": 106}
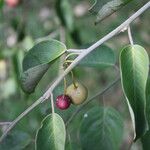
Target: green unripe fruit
{"x": 78, "y": 93}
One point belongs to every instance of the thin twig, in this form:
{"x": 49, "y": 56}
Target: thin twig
{"x": 20, "y": 117}
{"x": 4, "y": 123}
{"x": 130, "y": 35}
{"x": 75, "y": 50}
{"x": 91, "y": 99}
{"x": 65, "y": 86}
{"x": 52, "y": 103}
{"x": 47, "y": 94}
{"x": 71, "y": 54}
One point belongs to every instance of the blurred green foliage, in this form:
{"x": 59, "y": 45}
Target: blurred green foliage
{"x": 29, "y": 22}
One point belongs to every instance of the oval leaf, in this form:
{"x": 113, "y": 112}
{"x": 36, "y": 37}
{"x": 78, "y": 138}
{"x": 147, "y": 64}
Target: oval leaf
{"x": 101, "y": 57}
{"x": 52, "y": 134}
{"x": 102, "y": 128}
{"x": 134, "y": 66}
{"x": 37, "y": 62}
{"x": 108, "y": 8}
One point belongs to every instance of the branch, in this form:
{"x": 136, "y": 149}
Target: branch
{"x": 5, "y": 123}
{"x": 91, "y": 99}
{"x": 47, "y": 94}
{"x": 94, "y": 46}
{"x": 75, "y": 50}
{"x": 20, "y": 117}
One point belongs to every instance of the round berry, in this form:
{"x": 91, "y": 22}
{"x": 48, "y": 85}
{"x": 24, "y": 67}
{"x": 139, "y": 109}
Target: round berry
{"x": 12, "y": 3}
{"x": 63, "y": 102}
{"x": 78, "y": 93}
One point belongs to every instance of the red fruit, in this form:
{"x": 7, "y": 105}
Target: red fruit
{"x": 63, "y": 102}
{"x": 12, "y": 3}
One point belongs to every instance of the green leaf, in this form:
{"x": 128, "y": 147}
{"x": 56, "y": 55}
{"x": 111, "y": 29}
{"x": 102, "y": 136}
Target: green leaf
{"x": 101, "y": 128}
{"x": 146, "y": 138}
{"x": 52, "y": 134}
{"x": 38, "y": 60}
{"x": 101, "y": 57}
{"x": 43, "y": 53}
{"x": 134, "y": 66}
{"x": 65, "y": 13}
{"x": 15, "y": 141}
{"x": 108, "y": 8}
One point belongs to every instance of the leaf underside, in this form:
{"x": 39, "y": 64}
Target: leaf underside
{"x": 37, "y": 61}
{"x": 104, "y": 10}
